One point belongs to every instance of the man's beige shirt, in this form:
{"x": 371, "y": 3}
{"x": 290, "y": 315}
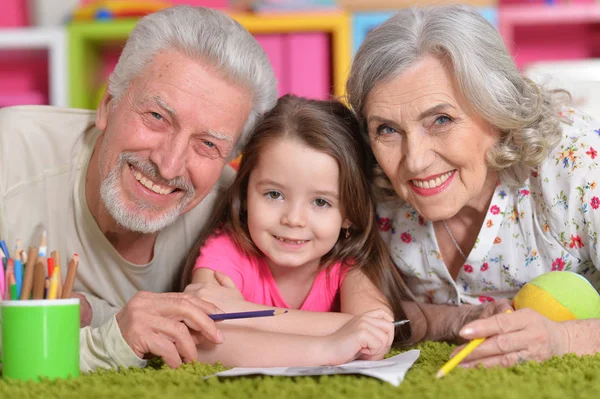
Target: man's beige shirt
{"x": 44, "y": 153}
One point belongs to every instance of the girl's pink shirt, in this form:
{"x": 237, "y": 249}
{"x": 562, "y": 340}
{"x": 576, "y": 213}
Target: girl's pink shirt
{"x": 253, "y": 277}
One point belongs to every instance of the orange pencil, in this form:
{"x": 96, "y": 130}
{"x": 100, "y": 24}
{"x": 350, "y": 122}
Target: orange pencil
{"x": 71, "y": 273}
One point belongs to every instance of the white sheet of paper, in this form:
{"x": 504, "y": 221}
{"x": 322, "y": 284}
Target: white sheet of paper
{"x": 391, "y": 370}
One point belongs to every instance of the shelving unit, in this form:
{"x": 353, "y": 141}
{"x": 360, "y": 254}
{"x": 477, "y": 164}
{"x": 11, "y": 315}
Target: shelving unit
{"x": 52, "y": 40}
{"x": 85, "y": 41}
{"x": 550, "y": 32}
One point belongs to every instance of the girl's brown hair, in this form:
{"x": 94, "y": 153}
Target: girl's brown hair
{"x": 331, "y": 128}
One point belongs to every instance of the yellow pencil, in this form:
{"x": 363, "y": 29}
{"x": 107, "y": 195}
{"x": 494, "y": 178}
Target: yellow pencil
{"x": 53, "y": 290}
{"x": 464, "y": 352}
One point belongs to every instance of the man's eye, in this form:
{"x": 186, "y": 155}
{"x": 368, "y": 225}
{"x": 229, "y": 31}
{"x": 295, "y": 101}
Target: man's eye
{"x": 157, "y": 116}
{"x": 209, "y": 144}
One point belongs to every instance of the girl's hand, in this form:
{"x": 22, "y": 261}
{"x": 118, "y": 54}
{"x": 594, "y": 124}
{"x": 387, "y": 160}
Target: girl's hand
{"x": 368, "y": 336}
{"x": 224, "y": 293}
{"x": 514, "y": 338}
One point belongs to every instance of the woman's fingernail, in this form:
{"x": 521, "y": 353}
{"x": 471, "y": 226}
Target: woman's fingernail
{"x": 220, "y": 336}
{"x": 466, "y": 332}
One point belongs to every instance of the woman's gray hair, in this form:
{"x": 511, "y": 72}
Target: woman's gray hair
{"x": 207, "y": 35}
{"x": 525, "y": 113}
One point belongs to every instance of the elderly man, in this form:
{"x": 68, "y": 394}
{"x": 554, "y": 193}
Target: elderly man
{"x": 130, "y": 186}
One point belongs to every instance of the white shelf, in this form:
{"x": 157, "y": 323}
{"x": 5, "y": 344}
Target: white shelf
{"x": 55, "y": 41}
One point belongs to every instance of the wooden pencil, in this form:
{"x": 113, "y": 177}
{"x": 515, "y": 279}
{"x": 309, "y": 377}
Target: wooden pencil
{"x": 39, "y": 280}
{"x": 70, "y": 280}
{"x": 56, "y": 256}
{"x": 29, "y": 269}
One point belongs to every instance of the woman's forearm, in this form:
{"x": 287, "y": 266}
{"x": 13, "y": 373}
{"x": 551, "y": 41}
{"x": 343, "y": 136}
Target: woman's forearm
{"x": 431, "y": 322}
{"x": 584, "y": 336}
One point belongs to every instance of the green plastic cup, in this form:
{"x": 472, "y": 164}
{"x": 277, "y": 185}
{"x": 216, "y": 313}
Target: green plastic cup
{"x": 40, "y": 339}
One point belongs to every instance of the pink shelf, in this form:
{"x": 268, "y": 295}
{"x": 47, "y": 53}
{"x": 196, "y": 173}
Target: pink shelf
{"x": 550, "y": 32}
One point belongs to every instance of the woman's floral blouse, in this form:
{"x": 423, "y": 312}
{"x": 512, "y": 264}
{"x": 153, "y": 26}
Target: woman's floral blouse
{"x": 551, "y": 223}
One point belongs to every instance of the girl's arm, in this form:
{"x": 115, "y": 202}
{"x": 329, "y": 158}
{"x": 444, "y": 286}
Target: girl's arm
{"x": 365, "y": 336}
{"x": 221, "y": 291}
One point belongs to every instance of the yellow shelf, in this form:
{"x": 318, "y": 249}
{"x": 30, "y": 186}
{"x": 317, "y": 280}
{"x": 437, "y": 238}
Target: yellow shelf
{"x": 85, "y": 38}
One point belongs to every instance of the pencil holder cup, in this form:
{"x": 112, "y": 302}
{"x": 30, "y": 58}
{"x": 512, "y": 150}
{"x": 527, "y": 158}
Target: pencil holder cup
{"x": 40, "y": 339}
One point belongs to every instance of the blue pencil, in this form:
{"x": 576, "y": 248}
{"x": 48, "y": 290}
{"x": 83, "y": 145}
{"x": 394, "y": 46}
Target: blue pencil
{"x": 246, "y": 315}
{"x": 4, "y": 249}
{"x": 18, "y": 276}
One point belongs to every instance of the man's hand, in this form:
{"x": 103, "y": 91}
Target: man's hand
{"x": 515, "y": 337}
{"x": 160, "y": 324}
{"x": 85, "y": 310}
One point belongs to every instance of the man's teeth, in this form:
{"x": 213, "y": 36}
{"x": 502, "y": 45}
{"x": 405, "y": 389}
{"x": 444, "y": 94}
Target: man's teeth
{"x": 291, "y": 241}
{"x": 157, "y": 188}
{"x": 433, "y": 183}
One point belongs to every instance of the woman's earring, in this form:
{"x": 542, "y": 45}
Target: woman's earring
{"x": 347, "y": 233}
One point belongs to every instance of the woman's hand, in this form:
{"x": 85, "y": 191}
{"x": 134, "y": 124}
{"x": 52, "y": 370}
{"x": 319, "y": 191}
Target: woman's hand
{"x": 469, "y": 313}
{"x": 223, "y": 293}
{"x": 368, "y": 336}
{"x": 514, "y": 338}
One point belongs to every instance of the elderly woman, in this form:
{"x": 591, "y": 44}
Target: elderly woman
{"x": 487, "y": 179}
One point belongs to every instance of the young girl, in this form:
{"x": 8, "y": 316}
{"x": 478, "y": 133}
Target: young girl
{"x": 297, "y": 231}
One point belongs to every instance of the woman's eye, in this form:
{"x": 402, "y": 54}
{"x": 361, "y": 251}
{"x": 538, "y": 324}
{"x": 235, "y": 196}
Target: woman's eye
{"x": 321, "y": 203}
{"x": 274, "y": 195}
{"x": 442, "y": 120}
{"x": 157, "y": 116}
{"x": 384, "y": 129}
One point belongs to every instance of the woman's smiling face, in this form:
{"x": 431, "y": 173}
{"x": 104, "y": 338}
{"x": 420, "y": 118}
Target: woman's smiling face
{"x": 429, "y": 142}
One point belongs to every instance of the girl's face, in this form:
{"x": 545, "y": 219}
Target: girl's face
{"x": 429, "y": 142}
{"x": 294, "y": 212}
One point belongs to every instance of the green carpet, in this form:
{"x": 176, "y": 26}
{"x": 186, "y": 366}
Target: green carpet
{"x": 568, "y": 377}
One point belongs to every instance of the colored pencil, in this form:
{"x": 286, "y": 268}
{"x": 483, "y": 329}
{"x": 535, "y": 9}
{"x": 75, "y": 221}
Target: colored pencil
{"x": 2, "y": 277}
{"x": 18, "y": 265}
{"x": 70, "y": 280}
{"x": 39, "y": 280}
{"x": 56, "y": 256}
{"x": 459, "y": 357}
{"x": 246, "y": 315}
{"x": 52, "y": 291}
{"x": 43, "y": 251}
{"x": 4, "y": 249}
{"x": 13, "y": 287}
{"x": 29, "y": 271}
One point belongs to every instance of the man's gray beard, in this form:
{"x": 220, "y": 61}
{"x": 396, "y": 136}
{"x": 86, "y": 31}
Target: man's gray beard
{"x": 110, "y": 193}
